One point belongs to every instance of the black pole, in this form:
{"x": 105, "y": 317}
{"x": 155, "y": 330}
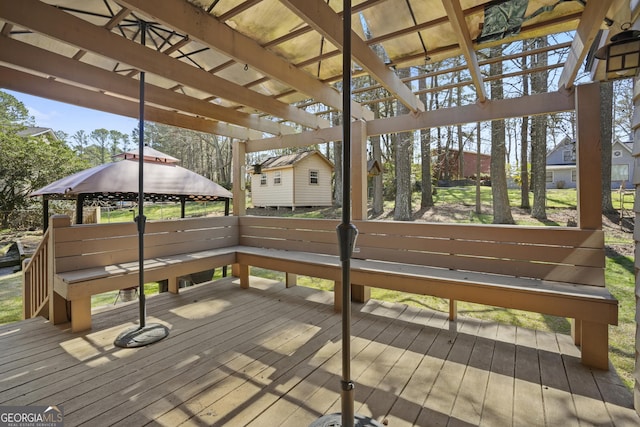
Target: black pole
{"x": 143, "y": 334}
{"x": 347, "y": 233}
{"x": 141, "y": 219}
{"x": 45, "y": 213}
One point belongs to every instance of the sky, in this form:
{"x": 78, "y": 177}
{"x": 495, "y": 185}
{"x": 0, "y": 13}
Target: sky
{"x": 69, "y": 118}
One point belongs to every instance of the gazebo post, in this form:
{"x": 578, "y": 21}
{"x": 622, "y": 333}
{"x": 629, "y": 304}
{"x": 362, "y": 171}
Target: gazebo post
{"x": 45, "y": 213}
{"x": 79, "y": 208}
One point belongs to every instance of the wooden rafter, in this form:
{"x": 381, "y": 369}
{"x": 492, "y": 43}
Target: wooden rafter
{"x": 48, "y": 20}
{"x": 593, "y": 15}
{"x": 52, "y": 64}
{"x": 459, "y": 24}
{"x": 324, "y": 20}
{"x": 181, "y": 15}
{"x": 51, "y": 89}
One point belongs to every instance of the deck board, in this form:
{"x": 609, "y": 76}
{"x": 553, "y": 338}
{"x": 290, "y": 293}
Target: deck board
{"x": 269, "y": 355}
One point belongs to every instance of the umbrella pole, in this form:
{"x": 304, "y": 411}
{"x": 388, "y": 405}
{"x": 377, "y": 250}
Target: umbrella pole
{"x": 142, "y": 334}
{"x": 347, "y": 233}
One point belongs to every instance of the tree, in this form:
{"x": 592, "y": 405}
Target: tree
{"x": 26, "y": 163}
{"x": 403, "y": 156}
{"x": 101, "y": 138}
{"x": 500, "y": 196}
{"x": 539, "y": 84}
{"x": 524, "y": 143}
{"x": 606, "y": 131}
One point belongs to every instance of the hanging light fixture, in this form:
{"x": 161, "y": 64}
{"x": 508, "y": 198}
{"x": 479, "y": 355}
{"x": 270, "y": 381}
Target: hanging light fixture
{"x": 622, "y": 54}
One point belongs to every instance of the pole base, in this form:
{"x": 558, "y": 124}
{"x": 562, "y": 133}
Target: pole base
{"x": 335, "y": 420}
{"x": 139, "y": 337}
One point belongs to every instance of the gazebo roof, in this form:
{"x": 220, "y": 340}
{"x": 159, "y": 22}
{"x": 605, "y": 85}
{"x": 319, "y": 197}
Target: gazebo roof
{"x": 163, "y": 180}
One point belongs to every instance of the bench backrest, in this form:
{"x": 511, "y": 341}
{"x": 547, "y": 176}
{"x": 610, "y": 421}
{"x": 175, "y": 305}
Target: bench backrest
{"x": 561, "y": 254}
{"x": 93, "y": 245}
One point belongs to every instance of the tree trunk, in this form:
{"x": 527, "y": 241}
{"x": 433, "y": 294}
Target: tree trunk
{"x": 500, "y": 196}
{"x": 539, "y": 136}
{"x": 403, "y": 156}
{"x": 606, "y": 131}
{"x": 426, "y": 196}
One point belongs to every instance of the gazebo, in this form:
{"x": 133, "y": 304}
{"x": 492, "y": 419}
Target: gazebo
{"x": 118, "y": 181}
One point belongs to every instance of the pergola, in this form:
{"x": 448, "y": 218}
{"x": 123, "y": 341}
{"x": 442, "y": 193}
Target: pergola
{"x": 266, "y": 72}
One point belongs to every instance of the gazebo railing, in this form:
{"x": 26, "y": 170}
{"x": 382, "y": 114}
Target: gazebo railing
{"x": 36, "y": 281}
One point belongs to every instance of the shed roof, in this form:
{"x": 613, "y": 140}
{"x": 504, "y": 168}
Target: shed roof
{"x": 287, "y": 160}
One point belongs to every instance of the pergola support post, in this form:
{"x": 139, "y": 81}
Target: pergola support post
{"x": 588, "y": 156}
{"x": 635, "y": 125}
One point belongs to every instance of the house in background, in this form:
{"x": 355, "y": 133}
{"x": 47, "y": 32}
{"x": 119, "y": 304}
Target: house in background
{"x": 561, "y": 165}
{"x": 46, "y": 134}
{"x": 293, "y": 180}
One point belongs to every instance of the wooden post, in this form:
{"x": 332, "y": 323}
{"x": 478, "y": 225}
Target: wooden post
{"x": 588, "y": 157}
{"x": 57, "y": 304}
{"x": 635, "y": 126}
{"x": 239, "y": 154}
{"x": 359, "y": 292}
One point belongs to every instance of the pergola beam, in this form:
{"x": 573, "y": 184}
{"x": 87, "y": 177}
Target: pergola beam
{"x": 49, "y": 20}
{"x": 324, "y": 20}
{"x": 459, "y": 24}
{"x": 48, "y": 88}
{"x": 46, "y": 62}
{"x": 181, "y": 15}
{"x": 590, "y": 22}
{"x": 532, "y": 105}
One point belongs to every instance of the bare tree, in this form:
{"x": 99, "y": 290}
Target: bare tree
{"x": 539, "y": 84}
{"x": 606, "y": 135}
{"x": 500, "y": 195}
{"x": 403, "y": 156}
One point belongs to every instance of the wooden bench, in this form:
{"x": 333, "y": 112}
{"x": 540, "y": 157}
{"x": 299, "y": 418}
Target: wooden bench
{"x": 93, "y": 259}
{"x": 551, "y": 270}
{"x": 557, "y": 271}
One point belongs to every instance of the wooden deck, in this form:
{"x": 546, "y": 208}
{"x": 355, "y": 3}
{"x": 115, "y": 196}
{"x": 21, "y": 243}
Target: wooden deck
{"x": 270, "y": 356}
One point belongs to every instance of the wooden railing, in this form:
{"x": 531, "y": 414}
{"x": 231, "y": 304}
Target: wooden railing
{"x": 36, "y": 281}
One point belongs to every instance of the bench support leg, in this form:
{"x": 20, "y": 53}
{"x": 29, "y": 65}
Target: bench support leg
{"x": 337, "y": 296}
{"x": 57, "y": 309}
{"x": 595, "y": 344}
{"x": 81, "y": 314}
{"x": 360, "y": 293}
{"x": 453, "y": 310}
{"x": 243, "y": 273}
{"x": 291, "y": 280}
{"x": 173, "y": 285}
{"x": 576, "y": 331}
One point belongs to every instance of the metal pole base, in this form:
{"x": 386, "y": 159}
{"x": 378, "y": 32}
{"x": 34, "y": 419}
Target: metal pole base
{"x": 335, "y": 420}
{"x": 139, "y": 337}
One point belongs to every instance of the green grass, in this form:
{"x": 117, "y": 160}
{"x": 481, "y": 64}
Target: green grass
{"x": 158, "y": 211}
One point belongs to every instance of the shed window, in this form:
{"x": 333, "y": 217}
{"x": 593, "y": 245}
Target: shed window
{"x": 313, "y": 177}
{"x": 574, "y": 176}
{"x": 277, "y": 178}
{"x": 263, "y": 179}
{"x": 549, "y": 176}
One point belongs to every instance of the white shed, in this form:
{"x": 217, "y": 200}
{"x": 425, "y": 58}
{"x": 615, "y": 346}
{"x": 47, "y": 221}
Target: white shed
{"x": 293, "y": 180}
